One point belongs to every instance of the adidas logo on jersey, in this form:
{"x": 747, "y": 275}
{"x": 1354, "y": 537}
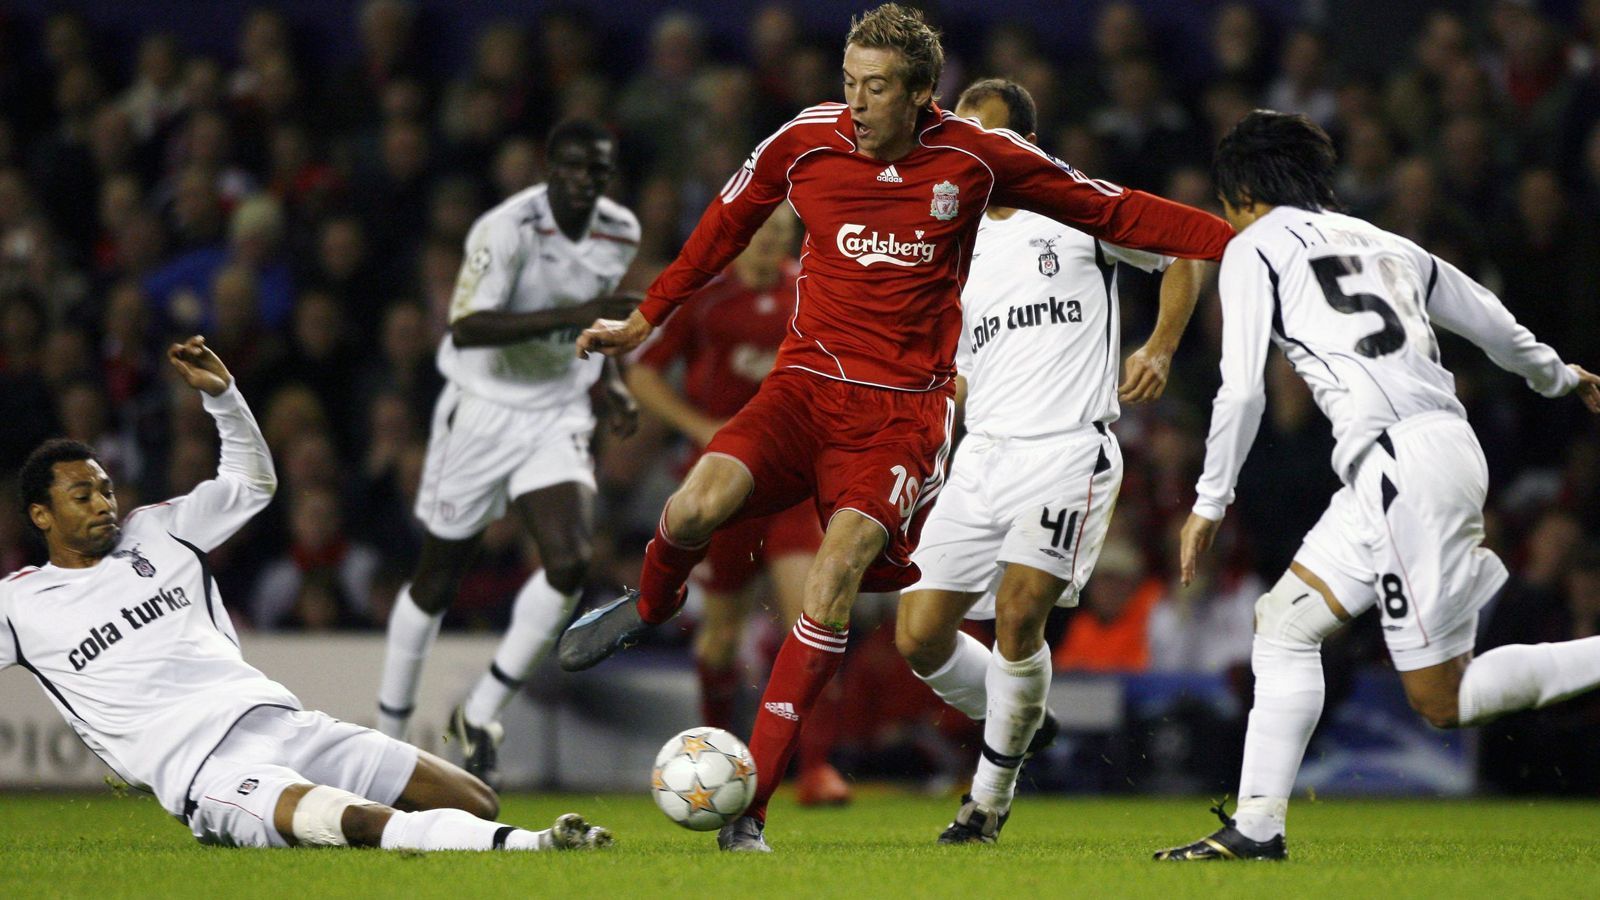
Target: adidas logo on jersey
{"x": 786, "y": 710}
{"x": 890, "y": 176}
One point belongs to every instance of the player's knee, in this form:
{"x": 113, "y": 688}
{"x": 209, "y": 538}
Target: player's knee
{"x": 318, "y": 818}
{"x": 1294, "y": 613}
{"x": 567, "y": 572}
{"x": 695, "y": 511}
{"x": 468, "y": 792}
{"x": 924, "y": 644}
{"x": 432, "y": 591}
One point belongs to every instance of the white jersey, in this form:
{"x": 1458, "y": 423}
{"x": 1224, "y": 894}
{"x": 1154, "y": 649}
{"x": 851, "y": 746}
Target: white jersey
{"x": 1352, "y": 307}
{"x": 518, "y": 261}
{"x": 137, "y": 651}
{"x": 1041, "y": 338}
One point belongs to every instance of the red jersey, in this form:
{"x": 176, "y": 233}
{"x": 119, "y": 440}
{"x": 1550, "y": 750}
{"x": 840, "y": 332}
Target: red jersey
{"x": 888, "y": 245}
{"x": 727, "y": 340}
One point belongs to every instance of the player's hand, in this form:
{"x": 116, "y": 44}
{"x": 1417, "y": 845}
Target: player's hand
{"x": 614, "y": 338}
{"x": 621, "y": 409}
{"x": 614, "y": 306}
{"x": 1144, "y": 375}
{"x": 1588, "y": 389}
{"x": 199, "y": 366}
{"x": 1195, "y": 539}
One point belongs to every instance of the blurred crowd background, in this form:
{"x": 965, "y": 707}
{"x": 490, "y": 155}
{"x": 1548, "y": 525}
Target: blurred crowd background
{"x": 295, "y": 181}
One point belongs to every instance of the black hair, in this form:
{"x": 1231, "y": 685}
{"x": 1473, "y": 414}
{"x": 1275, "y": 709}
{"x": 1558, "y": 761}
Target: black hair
{"x": 1022, "y": 116}
{"x": 38, "y": 471}
{"x": 576, "y": 131}
{"x": 1280, "y": 159}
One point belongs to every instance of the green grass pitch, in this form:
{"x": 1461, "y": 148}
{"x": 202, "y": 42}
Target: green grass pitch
{"x": 103, "y": 846}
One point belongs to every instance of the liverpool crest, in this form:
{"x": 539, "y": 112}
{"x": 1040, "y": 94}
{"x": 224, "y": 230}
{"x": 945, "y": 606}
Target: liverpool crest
{"x": 946, "y": 201}
{"x": 142, "y": 567}
{"x": 1049, "y": 263}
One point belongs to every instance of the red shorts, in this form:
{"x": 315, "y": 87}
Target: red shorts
{"x": 879, "y": 452}
{"x": 739, "y": 551}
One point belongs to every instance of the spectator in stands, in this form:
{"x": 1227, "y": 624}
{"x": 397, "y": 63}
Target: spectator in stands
{"x": 324, "y": 580}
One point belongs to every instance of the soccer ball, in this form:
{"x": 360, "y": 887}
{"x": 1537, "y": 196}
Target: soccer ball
{"x": 704, "y": 778}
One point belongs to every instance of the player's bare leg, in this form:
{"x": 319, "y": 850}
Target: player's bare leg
{"x": 414, "y": 623}
{"x": 1465, "y": 691}
{"x": 321, "y": 816}
{"x": 1292, "y": 621}
{"x": 954, "y": 664}
{"x": 1016, "y": 684}
{"x": 716, "y": 488}
{"x": 561, "y": 520}
{"x": 819, "y": 784}
{"x": 716, "y": 655}
{"x": 927, "y": 631}
{"x": 810, "y": 657}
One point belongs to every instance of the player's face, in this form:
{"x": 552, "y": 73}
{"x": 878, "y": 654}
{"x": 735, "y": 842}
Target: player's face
{"x": 579, "y": 173}
{"x": 82, "y": 515}
{"x": 882, "y": 106}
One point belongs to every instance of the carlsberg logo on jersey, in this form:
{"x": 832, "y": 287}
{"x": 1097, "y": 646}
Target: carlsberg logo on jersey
{"x": 889, "y": 249}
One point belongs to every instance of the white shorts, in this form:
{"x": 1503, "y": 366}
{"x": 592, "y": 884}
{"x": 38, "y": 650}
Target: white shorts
{"x": 1407, "y": 535}
{"x": 482, "y": 454}
{"x": 1042, "y": 502}
{"x": 235, "y": 793}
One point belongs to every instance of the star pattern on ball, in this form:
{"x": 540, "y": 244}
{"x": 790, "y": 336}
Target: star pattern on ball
{"x": 656, "y": 781}
{"x": 742, "y": 768}
{"x": 694, "y": 745}
{"x": 698, "y": 797}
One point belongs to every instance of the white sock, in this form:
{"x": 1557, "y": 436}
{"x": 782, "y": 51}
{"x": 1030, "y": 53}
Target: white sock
{"x": 1527, "y": 676}
{"x": 537, "y": 619}
{"x": 454, "y": 829}
{"x": 1017, "y": 692}
{"x": 1289, "y": 693}
{"x": 411, "y": 634}
{"x": 960, "y": 681}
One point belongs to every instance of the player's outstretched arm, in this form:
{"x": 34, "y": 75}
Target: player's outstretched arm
{"x": 494, "y": 328}
{"x": 1146, "y": 370}
{"x": 245, "y": 482}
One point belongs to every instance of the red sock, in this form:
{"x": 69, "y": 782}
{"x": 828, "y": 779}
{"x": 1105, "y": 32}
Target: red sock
{"x": 719, "y": 688}
{"x": 666, "y": 571}
{"x": 822, "y": 729}
{"x": 810, "y": 657}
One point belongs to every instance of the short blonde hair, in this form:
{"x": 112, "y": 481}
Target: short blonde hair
{"x": 895, "y": 27}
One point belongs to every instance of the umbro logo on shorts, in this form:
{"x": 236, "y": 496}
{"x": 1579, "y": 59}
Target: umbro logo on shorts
{"x": 786, "y": 710}
{"x": 249, "y": 785}
{"x": 890, "y": 175}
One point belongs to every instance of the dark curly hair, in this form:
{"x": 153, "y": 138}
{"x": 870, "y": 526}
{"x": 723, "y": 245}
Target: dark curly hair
{"x": 1279, "y": 159}
{"x": 38, "y": 471}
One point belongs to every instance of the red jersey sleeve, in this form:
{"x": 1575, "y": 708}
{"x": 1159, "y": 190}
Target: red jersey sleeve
{"x": 1028, "y": 178}
{"x": 725, "y": 228}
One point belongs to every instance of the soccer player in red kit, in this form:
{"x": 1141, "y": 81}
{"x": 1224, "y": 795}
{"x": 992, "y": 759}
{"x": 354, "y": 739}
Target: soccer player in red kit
{"x": 857, "y": 415}
{"x": 727, "y": 342}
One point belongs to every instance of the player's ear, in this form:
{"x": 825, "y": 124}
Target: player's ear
{"x": 41, "y": 515}
{"x": 1033, "y": 138}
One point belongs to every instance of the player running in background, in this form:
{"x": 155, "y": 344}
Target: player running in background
{"x": 727, "y": 342}
{"x": 1352, "y": 308}
{"x": 857, "y": 415}
{"x": 125, "y": 630}
{"x": 514, "y": 422}
{"x": 1020, "y": 522}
